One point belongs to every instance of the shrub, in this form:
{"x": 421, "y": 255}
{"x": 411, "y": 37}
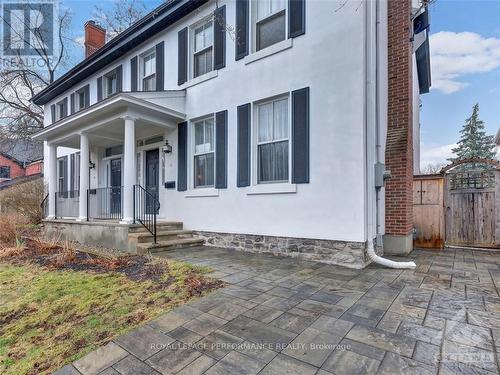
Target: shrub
{"x": 24, "y": 199}
{"x": 11, "y": 226}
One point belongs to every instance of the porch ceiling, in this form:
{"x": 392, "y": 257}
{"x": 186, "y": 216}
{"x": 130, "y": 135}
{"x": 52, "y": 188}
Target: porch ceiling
{"x": 103, "y": 122}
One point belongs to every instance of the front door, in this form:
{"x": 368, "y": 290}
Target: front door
{"x": 115, "y": 201}
{"x": 152, "y": 178}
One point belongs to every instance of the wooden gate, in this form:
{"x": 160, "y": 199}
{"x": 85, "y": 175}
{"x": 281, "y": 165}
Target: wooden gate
{"x": 428, "y": 216}
{"x": 472, "y": 204}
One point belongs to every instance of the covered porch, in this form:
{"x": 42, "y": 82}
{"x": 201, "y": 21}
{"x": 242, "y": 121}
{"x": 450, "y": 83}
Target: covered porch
{"x": 121, "y": 142}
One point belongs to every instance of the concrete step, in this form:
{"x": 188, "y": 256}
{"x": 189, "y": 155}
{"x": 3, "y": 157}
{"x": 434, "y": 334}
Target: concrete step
{"x": 143, "y": 248}
{"x": 160, "y": 226}
{"x": 161, "y": 235}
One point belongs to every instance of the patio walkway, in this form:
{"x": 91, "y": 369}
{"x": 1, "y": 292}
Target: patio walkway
{"x": 284, "y": 316}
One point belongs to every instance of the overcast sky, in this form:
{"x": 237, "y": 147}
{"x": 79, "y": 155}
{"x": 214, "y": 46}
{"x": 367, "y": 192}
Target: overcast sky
{"x": 465, "y": 59}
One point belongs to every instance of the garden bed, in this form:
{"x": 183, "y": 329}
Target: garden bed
{"x": 60, "y": 302}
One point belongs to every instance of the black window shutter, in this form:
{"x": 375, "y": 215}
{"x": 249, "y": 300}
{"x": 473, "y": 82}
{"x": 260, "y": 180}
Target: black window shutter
{"x": 133, "y": 73}
{"x": 86, "y": 89}
{"x": 241, "y": 29}
{"x": 160, "y": 69}
{"x": 296, "y": 18}
{"x": 182, "y": 157}
{"x": 300, "y": 136}
{"x": 221, "y": 150}
{"x": 53, "y": 112}
{"x": 72, "y": 103}
{"x": 119, "y": 78}
{"x": 183, "y": 56}
{"x": 243, "y": 173}
{"x": 220, "y": 37}
{"x": 99, "y": 89}
{"x": 65, "y": 107}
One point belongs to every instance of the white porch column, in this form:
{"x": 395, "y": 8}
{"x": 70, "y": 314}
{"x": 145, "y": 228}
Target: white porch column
{"x": 84, "y": 176}
{"x": 129, "y": 173}
{"x": 52, "y": 180}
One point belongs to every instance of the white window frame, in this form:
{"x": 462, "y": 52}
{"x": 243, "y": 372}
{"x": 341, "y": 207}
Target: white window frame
{"x": 59, "y": 110}
{"x": 193, "y": 52}
{"x": 255, "y": 141}
{"x": 106, "y": 83}
{"x": 79, "y": 105}
{"x": 142, "y": 73}
{"x": 194, "y": 154}
{"x": 254, "y": 18}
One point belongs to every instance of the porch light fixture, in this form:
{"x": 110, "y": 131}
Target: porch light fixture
{"x": 91, "y": 165}
{"x": 167, "y": 149}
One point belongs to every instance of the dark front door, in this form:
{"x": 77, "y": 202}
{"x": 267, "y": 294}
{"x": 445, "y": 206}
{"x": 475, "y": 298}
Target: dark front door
{"x": 152, "y": 178}
{"x": 115, "y": 202}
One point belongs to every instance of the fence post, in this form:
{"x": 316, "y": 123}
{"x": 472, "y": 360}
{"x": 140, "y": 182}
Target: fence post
{"x": 55, "y": 205}
{"x": 133, "y": 201}
{"x": 88, "y": 198}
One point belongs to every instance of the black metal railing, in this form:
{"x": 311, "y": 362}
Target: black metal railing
{"x": 44, "y": 206}
{"x": 67, "y": 203}
{"x": 105, "y": 203}
{"x": 146, "y": 207}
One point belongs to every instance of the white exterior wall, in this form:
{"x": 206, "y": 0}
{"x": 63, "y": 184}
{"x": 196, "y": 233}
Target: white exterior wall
{"x": 330, "y": 59}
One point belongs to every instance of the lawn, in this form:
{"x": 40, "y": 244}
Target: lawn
{"x": 56, "y": 308}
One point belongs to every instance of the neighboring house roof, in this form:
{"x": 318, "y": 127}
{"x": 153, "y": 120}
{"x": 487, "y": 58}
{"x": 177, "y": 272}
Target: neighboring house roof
{"x": 497, "y": 138}
{"x": 156, "y": 21}
{"x": 19, "y": 180}
{"x": 20, "y": 151}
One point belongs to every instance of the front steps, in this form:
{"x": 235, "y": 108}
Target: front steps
{"x": 169, "y": 235}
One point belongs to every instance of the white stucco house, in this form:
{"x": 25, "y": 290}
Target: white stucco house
{"x": 259, "y": 125}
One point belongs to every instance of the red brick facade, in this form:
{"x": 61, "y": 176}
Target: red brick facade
{"x": 34, "y": 168}
{"x": 15, "y": 169}
{"x": 399, "y": 151}
{"x": 95, "y": 37}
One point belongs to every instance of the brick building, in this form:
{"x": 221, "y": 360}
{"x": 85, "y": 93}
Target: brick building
{"x": 19, "y": 158}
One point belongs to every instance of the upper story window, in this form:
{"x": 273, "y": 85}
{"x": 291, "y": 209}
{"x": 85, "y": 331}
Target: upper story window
{"x": 270, "y": 22}
{"x": 80, "y": 99}
{"x": 273, "y": 141}
{"x": 4, "y": 172}
{"x": 148, "y": 71}
{"x": 60, "y": 110}
{"x": 110, "y": 81}
{"x": 204, "y": 147}
{"x": 203, "y": 49}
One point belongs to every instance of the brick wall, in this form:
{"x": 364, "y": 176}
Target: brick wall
{"x": 15, "y": 169}
{"x": 399, "y": 151}
{"x": 34, "y": 168}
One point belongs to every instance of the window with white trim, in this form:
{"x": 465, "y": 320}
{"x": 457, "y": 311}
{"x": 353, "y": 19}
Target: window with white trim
{"x": 203, "y": 40}
{"x": 148, "y": 71}
{"x": 273, "y": 141}
{"x": 204, "y": 153}
{"x": 80, "y": 99}
{"x": 60, "y": 110}
{"x": 4, "y": 171}
{"x": 110, "y": 81}
{"x": 270, "y": 22}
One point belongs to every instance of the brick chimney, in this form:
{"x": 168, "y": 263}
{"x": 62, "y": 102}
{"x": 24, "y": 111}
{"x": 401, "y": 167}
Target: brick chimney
{"x": 95, "y": 37}
{"x": 398, "y": 237}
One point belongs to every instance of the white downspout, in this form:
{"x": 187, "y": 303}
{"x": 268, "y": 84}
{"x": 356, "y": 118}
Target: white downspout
{"x": 372, "y": 131}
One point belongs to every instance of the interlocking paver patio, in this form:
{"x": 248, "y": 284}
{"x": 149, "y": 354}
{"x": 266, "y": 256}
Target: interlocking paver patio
{"x": 281, "y": 315}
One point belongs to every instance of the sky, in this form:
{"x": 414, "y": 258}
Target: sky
{"x": 465, "y": 63}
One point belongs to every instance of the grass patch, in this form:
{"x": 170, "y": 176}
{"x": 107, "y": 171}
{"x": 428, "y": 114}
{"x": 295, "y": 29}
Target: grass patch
{"x": 50, "y": 317}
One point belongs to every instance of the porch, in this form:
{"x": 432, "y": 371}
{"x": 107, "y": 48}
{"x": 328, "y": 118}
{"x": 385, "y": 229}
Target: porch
{"x": 114, "y": 180}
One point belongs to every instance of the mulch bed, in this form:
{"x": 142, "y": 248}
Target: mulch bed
{"x": 134, "y": 267}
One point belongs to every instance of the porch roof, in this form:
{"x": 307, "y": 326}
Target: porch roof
{"x": 105, "y": 115}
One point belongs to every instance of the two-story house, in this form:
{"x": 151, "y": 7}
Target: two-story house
{"x": 259, "y": 125}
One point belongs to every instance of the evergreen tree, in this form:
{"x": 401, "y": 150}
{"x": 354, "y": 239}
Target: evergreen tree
{"x": 474, "y": 143}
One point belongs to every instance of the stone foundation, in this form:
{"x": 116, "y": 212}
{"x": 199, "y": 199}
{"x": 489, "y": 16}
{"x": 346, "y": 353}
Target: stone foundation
{"x": 347, "y": 254}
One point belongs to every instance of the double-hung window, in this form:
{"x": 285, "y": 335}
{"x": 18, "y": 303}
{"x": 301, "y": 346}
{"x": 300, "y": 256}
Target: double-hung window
{"x": 204, "y": 146}
{"x": 110, "y": 80}
{"x": 62, "y": 184}
{"x": 203, "y": 49}
{"x": 148, "y": 72}
{"x": 80, "y": 99}
{"x": 272, "y": 141}
{"x": 270, "y": 27}
{"x": 60, "y": 110}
